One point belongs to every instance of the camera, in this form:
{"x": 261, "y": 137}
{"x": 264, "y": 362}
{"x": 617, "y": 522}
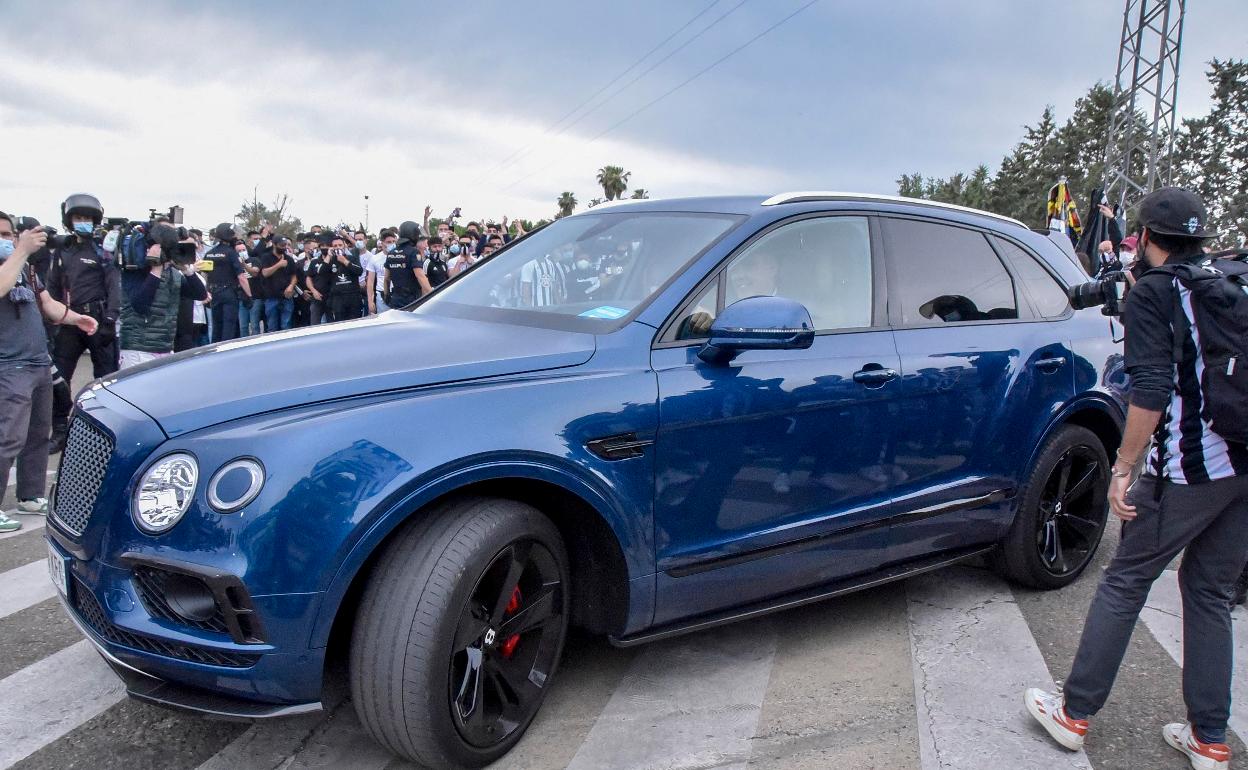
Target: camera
{"x": 171, "y": 247}
{"x": 1108, "y": 289}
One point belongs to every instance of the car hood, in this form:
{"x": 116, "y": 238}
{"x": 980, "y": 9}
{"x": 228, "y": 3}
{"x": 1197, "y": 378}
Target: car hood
{"x": 391, "y": 351}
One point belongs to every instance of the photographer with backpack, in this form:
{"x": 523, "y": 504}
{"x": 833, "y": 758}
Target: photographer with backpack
{"x": 1185, "y": 346}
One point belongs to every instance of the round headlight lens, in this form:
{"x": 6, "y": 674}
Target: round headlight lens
{"x": 235, "y": 485}
{"x": 165, "y": 492}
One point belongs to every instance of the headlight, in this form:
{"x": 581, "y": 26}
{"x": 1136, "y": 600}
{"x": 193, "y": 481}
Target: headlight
{"x": 235, "y": 485}
{"x": 165, "y": 492}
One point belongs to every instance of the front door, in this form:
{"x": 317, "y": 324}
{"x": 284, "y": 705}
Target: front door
{"x": 765, "y": 477}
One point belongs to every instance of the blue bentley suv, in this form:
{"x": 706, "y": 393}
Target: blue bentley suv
{"x": 645, "y": 419}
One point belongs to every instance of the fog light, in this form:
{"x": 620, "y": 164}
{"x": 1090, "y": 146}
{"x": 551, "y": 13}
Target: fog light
{"x": 189, "y": 598}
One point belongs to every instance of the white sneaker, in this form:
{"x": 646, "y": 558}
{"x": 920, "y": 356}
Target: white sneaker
{"x": 1049, "y": 709}
{"x": 1202, "y": 756}
{"x": 39, "y": 505}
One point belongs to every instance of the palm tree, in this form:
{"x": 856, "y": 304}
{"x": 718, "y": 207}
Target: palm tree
{"x": 641, "y": 194}
{"x": 566, "y": 203}
{"x": 614, "y": 181}
{"x": 594, "y": 202}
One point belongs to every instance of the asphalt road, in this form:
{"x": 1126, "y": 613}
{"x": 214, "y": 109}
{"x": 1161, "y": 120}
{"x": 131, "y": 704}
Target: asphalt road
{"x": 922, "y": 674}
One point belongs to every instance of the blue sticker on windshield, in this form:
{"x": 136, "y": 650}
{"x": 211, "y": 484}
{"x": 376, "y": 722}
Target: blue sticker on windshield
{"x": 606, "y": 311}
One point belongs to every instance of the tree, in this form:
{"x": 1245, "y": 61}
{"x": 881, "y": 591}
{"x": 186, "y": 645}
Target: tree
{"x": 253, "y": 213}
{"x": 613, "y": 180}
{"x": 1213, "y": 152}
{"x": 595, "y": 201}
{"x": 566, "y": 203}
{"x": 641, "y": 194}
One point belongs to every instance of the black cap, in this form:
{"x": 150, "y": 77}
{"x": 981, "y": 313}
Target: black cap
{"x": 280, "y": 240}
{"x": 1175, "y": 211}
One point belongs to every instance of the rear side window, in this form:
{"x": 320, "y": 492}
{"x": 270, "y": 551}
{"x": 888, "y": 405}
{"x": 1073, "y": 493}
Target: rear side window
{"x": 1046, "y": 293}
{"x": 944, "y": 274}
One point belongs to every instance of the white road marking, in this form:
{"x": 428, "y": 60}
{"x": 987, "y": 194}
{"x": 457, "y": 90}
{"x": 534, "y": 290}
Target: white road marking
{"x": 30, "y": 522}
{"x": 1163, "y": 615}
{"x": 265, "y": 744}
{"x": 973, "y": 655}
{"x": 48, "y": 699}
{"x": 688, "y": 703}
{"x": 24, "y": 587}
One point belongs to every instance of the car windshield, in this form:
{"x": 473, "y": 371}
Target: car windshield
{"x": 587, "y": 272}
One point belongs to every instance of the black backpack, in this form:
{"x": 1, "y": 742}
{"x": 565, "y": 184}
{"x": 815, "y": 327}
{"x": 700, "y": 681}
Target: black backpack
{"x": 1219, "y": 294}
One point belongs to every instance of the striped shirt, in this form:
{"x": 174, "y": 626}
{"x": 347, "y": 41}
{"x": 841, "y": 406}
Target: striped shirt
{"x": 545, "y": 277}
{"x": 1185, "y": 450}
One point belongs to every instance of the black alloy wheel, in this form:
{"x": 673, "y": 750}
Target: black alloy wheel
{"x": 1060, "y": 513}
{"x": 1072, "y": 511}
{"x": 506, "y": 644}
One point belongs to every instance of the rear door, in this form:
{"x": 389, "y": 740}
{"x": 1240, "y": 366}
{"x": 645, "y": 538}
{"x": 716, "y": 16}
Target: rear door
{"x": 982, "y": 370}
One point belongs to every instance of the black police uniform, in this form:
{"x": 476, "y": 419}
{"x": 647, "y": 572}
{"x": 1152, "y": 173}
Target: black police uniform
{"x": 85, "y": 278}
{"x": 223, "y": 284}
{"x": 345, "y": 298}
{"x": 404, "y": 288}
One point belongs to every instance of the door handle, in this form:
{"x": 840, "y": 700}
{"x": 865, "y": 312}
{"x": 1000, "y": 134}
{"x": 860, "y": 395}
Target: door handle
{"x": 1051, "y": 364}
{"x": 875, "y": 378}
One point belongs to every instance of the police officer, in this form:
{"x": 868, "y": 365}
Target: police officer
{"x": 227, "y": 282}
{"x": 85, "y": 278}
{"x": 405, "y": 274}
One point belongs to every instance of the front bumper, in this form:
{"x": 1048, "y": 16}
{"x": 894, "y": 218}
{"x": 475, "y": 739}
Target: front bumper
{"x": 223, "y": 679}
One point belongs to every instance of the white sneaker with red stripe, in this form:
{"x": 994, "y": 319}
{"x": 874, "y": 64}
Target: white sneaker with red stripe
{"x": 1049, "y": 709}
{"x": 1203, "y": 756}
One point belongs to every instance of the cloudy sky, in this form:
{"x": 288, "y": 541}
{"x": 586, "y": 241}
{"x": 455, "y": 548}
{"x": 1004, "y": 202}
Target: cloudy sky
{"x": 414, "y": 102}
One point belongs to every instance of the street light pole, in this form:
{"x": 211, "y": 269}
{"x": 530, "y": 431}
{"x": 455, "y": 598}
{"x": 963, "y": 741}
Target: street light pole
{"x": 365, "y": 213}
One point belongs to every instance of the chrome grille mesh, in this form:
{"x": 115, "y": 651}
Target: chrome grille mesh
{"x": 82, "y": 471}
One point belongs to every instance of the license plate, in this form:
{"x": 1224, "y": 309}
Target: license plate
{"x": 56, "y": 569}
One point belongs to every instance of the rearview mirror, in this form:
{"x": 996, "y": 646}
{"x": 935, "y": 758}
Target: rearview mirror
{"x": 758, "y": 323}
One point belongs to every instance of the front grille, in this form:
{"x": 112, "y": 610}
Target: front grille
{"x": 151, "y": 584}
{"x": 91, "y": 613}
{"x": 82, "y": 471}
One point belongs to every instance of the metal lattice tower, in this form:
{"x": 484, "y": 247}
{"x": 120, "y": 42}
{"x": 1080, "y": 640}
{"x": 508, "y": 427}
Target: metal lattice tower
{"x": 1137, "y": 158}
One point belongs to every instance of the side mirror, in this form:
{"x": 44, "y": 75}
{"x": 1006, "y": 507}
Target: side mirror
{"x": 758, "y": 323}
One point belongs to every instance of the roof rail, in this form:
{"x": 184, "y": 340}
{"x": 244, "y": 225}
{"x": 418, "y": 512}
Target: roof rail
{"x": 804, "y": 196}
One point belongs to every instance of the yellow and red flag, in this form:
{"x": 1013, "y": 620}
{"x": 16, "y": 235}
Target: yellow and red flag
{"x": 1063, "y": 213}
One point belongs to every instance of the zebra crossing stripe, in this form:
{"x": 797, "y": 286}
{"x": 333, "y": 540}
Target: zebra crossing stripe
{"x": 1163, "y": 616}
{"x": 689, "y": 702}
{"x": 340, "y": 742}
{"x": 24, "y": 587}
{"x": 30, "y": 523}
{"x": 973, "y": 655}
{"x": 48, "y": 699}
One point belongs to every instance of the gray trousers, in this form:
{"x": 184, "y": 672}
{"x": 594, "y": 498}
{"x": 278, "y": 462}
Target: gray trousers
{"x": 25, "y": 425}
{"x": 1209, "y": 521}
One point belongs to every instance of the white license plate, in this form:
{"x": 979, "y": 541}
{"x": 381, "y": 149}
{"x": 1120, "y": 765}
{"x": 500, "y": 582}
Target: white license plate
{"x": 56, "y": 569}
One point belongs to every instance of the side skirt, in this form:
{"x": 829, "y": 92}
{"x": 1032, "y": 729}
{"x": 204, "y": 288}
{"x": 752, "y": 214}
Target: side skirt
{"x": 807, "y": 596}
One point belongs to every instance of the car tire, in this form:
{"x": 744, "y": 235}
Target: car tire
{"x": 1060, "y": 519}
{"x": 436, "y": 676}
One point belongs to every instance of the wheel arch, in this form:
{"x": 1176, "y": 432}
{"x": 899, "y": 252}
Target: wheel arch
{"x": 1095, "y": 412}
{"x": 598, "y": 551}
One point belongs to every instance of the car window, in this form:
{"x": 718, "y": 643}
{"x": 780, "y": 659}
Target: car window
{"x": 1047, "y": 294}
{"x": 940, "y": 273}
{"x": 823, "y": 263}
{"x": 695, "y": 320}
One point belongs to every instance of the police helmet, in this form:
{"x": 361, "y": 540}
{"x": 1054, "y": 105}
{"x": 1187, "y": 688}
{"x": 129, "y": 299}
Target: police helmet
{"x": 224, "y": 232}
{"x": 409, "y": 231}
{"x": 81, "y": 203}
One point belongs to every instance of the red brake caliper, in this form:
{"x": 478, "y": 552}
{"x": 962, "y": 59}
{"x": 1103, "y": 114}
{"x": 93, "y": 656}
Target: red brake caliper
{"x": 509, "y": 645}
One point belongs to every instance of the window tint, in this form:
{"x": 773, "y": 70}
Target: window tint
{"x": 1045, "y": 292}
{"x": 825, "y": 264}
{"x": 943, "y": 273}
{"x": 696, "y": 319}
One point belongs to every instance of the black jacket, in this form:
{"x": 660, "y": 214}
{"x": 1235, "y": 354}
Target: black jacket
{"x": 83, "y": 273}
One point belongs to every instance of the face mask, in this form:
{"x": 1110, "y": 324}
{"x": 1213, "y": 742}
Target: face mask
{"x": 6, "y": 248}
{"x": 455, "y": 250}
{"x": 389, "y": 247}
{"x": 359, "y": 244}
{"x": 255, "y": 242}
{"x": 316, "y": 252}
{"x": 84, "y": 228}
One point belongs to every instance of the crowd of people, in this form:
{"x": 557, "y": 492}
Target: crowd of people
{"x": 127, "y": 293}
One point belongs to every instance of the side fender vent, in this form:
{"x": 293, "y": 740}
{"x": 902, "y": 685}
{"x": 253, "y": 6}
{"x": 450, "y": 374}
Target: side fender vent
{"x": 622, "y": 447}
